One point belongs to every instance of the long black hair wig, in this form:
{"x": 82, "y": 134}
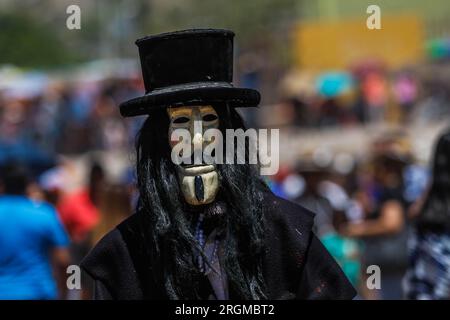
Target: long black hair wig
{"x": 166, "y": 221}
{"x": 435, "y": 214}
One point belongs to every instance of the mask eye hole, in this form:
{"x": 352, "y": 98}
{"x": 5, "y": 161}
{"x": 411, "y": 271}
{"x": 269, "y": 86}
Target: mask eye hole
{"x": 181, "y": 120}
{"x": 209, "y": 117}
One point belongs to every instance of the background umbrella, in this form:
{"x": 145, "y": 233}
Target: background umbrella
{"x": 333, "y": 84}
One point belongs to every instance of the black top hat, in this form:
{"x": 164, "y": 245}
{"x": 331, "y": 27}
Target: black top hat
{"x": 189, "y": 67}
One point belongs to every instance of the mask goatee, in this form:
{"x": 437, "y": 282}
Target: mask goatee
{"x": 199, "y": 191}
{"x": 199, "y": 184}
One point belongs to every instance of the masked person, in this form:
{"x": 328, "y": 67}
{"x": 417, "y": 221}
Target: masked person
{"x": 205, "y": 231}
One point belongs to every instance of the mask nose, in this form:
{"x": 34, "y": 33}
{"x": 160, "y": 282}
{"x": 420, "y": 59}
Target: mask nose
{"x": 197, "y": 140}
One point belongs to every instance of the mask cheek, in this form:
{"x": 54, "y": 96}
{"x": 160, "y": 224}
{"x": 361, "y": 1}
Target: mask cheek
{"x": 173, "y": 142}
{"x": 174, "y": 139}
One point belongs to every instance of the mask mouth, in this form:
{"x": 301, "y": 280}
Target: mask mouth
{"x": 196, "y": 169}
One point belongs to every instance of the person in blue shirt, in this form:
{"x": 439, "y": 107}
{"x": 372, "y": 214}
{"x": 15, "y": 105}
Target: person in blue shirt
{"x": 31, "y": 237}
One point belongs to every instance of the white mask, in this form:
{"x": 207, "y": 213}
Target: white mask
{"x": 199, "y": 183}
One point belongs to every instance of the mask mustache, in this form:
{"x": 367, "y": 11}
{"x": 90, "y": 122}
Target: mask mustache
{"x": 189, "y": 160}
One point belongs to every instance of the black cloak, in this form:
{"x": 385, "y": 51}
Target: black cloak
{"x": 296, "y": 264}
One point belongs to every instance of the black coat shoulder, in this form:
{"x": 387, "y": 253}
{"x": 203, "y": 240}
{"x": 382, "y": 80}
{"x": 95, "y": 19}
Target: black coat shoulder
{"x": 111, "y": 267}
{"x": 296, "y": 265}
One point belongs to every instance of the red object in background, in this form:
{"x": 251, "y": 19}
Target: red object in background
{"x": 78, "y": 214}
{"x": 282, "y": 173}
{"x": 374, "y": 89}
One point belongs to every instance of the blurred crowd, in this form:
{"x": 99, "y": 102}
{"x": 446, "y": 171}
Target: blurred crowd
{"x": 361, "y": 207}
{"x": 41, "y": 118}
{"x": 51, "y": 131}
{"x": 366, "y": 93}
{"x": 386, "y": 210}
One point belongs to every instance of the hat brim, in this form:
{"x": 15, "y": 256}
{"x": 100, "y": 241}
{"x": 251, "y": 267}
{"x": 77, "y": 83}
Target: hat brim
{"x": 189, "y": 95}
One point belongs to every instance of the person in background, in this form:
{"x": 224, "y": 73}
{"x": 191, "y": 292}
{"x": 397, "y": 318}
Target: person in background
{"x": 80, "y": 213}
{"x": 384, "y": 229}
{"x": 31, "y": 238}
{"x": 329, "y": 200}
{"x": 428, "y": 275}
{"x": 346, "y": 250}
{"x": 79, "y": 210}
{"x": 311, "y": 199}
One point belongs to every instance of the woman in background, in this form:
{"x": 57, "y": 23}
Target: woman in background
{"x": 428, "y": 275}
